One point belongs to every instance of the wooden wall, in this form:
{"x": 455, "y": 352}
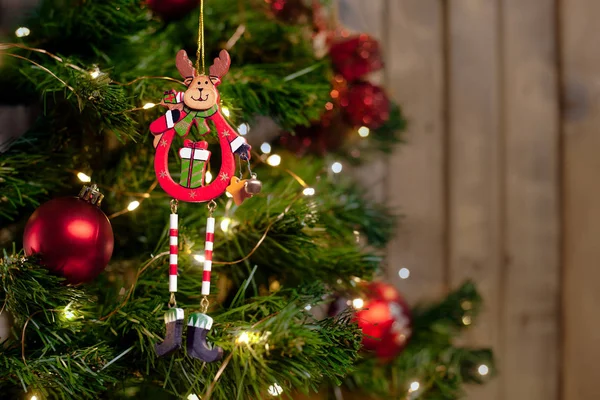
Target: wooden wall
{"x": 497, "y": 180}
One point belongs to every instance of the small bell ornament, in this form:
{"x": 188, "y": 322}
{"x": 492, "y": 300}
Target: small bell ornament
{"x": 253, "y": 186}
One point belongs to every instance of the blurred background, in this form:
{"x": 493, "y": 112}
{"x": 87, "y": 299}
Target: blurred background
{"x": 497, "y": 180}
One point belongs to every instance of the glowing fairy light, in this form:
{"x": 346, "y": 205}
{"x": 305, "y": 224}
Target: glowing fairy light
{"x": 308, "y": 191}
{"x": 275, "y": 390}
{"x": 466, "y": 320}
{"x": 95, "y": 73}
{"x": 208, "y": 177}
{"x": 22, "y": 32}
{"x": 243, "y": 338}
{"x": 363, "y": 131}
{"x": 483, "y": 370}
{"x": 69, "y": 315}
{"x": 265, "y": 148}
{"x": 243, "y": 129}
{"x": 199, "y": 258}
{"x": 336, "y": 167}
{"x": 148, "y": 105}
{"x": 83, "y": 177}
{"x": 358, "y": 303}
{"x": 193, "y": 397}
{"x": 404, "y": 273}
{"x": 414, "y": 386}
{"x": 274, "y": 160}
{"x": 226, "y": 111}
{"x": 133, "y": 205}
{"x": 225, "y": 222}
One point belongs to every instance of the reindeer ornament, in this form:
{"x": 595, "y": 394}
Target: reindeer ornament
{"x": 199, "y": 103}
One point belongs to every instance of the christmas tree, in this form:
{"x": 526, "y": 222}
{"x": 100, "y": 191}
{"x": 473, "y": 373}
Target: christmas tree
{"x": 236, "y": 153}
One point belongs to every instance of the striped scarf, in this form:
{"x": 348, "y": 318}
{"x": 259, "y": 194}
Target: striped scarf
{"x": 182, "y": 127}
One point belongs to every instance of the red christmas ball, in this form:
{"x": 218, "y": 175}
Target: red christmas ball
{"x": 366, "y": 104}
{"x": 385, "y": 320}
{"x": 172, "y": 9}
{"x": 289, "y": 10}
{"x": 72, "y": 237}
{"x": 356, "y": 56}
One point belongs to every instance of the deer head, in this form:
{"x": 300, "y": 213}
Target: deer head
{"x": 202, "y": 92}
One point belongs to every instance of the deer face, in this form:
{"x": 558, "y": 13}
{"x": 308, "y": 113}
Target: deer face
{"x": 201, "y": 93}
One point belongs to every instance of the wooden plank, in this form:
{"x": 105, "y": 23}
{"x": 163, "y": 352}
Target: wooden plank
{"x": 360, "y": 16}
{"x": 474, "y": 166}
{"x": 414, "y": 76}
{"x": 530, "y": 358}
{"x": 581, "y": 194}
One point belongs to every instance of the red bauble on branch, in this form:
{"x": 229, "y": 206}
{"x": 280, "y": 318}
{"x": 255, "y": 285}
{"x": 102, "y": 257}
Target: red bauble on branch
{"x": 289, "y": 10}
{"x": 366, "y": 104}
{"x": 172, "y": 9}
{"x": 384, "y": 319}
{"x": 356, "y": 56}
{"x": 71, "y": 235}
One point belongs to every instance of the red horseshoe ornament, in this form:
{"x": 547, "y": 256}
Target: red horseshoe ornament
{"x": 198, "y": 104}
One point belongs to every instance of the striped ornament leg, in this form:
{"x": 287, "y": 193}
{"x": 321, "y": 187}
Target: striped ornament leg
{"x": 174, "y": 316}
{"x": 199, "y": 324}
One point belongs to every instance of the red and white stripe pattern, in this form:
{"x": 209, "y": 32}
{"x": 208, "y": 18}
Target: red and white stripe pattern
{"x": 208, "y": 253}
{"x": 173, "y": 251}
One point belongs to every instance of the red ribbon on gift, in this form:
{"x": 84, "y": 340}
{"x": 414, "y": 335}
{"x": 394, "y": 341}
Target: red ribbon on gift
{"x": 195, "y": 145}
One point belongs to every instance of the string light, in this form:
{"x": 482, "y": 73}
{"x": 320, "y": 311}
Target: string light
{"x": 208, "y": 177}
{"x": 466, "y": 305}
{"x": 199, "y": 258}
{"x": 243, "y": 338}
{"x": 95, "y": 73}
{"x": 148, "y": 105}
{"x": 226, "y": 111}
{"x": 483, "y": 370}
{"x": 243, "y": 129}
{"x": 83, "y": 177}
{"x": 466, "y": 320}
{"x": 336, "y": 167}
{"x": 274, "y": 160}
{"x": 34, "y": 397}
{"x": 265, "y": 148}
{"x": 133, "y": 205}
{"x": 414, "y": 386}
{"x": 225, "y": 222}
{"x": 275, "y": 390}
{"x": 22, "y": 32}
{"x": 308, "y": 191}
{"x": 308, "y": 307}
{"x": 358, "y": 303}
{"x": 193, "y": 397}
{"x": 404, "y": 273}
{"x": 69, "y": 315}
{"x": 363, "y": 131}
{"x": 274, "y": 286}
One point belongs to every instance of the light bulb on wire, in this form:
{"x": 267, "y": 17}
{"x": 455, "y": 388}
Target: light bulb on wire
{"x": 22, "y": 32}
{"x": 83, "y": 177}
{"x": 275, "y": 390}
{"x": 274, "y": 160}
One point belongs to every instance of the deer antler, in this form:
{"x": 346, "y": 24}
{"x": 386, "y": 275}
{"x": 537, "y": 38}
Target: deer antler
{"x": 221, "y": 64}
{"x": 184, "y": 65}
